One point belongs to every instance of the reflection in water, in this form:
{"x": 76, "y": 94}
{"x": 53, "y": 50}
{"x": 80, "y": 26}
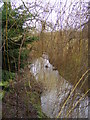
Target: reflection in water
{"x": 56, "y": 91}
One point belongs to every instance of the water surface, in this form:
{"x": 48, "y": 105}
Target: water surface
{"x": 56, "y": 91}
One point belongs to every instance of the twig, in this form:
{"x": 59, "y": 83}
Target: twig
{"x": 72, "y": 92}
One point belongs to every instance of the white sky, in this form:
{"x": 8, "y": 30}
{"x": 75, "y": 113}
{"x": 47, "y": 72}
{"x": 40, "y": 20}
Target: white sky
{"x": 58, "y": 7}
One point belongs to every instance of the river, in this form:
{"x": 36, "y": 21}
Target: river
{"x": 56, "y": 91}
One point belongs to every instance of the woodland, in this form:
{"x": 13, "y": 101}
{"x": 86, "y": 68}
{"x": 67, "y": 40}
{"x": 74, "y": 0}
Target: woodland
{"x": 29, "y": 30}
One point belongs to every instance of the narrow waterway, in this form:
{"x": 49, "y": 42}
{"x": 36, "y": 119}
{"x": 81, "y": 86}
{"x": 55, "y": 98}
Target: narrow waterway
{"x": 56, "y": 90}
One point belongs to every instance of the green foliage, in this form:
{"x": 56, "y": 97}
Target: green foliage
{"x": 6, "y": 78}
{"x": 24, "y": 55}
{"x": 2, "y": 93}
{"x": 30, "y": 39}
{"x": 6, "y": 75}
{"x": 15, "y": 19}
{"x": 5, "y": 87}
{"x": 15, "y": 54}
{"x": 3, "y": 83}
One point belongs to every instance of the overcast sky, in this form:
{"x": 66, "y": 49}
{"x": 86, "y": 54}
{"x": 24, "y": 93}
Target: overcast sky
{"x": 56, "y": 5}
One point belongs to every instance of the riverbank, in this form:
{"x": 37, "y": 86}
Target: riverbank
{"x": 25, "y": 94}
{"x": 22, "y": 100}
